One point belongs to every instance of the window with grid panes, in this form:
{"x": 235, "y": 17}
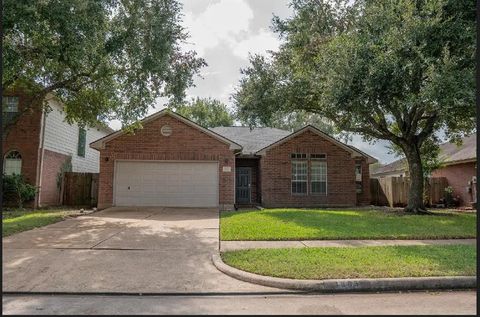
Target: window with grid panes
{"x": 299, "y": 177}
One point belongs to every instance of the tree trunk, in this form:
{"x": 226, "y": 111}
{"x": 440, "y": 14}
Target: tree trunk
{"x": 415, "y": 194}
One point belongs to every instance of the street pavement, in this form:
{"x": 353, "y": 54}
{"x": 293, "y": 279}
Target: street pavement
{"x": 416, "y": 303}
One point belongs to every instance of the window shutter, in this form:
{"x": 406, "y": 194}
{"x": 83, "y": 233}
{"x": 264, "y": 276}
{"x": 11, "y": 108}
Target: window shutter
{"x": 82, "y": 140}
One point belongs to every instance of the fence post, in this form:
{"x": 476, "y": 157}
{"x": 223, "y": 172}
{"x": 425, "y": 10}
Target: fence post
{"x": 62, "y": 188}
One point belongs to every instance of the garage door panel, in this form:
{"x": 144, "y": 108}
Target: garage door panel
{"x": 182, "y": 184}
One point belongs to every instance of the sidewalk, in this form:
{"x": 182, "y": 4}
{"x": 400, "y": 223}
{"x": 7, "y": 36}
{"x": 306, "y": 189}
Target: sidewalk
{"x": 242, "y": 245}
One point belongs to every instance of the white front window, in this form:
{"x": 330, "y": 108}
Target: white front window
{"x": 319, "y": 177}
{"x": 12, "y": 163}
{"x": 299, "y": 177}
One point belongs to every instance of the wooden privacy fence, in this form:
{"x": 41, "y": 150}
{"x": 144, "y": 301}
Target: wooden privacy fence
{"x": 393, "y": 191}
{"x": 79, "y": 189}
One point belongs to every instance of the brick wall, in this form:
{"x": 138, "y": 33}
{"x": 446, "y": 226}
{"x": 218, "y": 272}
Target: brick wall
{"x": 458, "y": 176}
{"x": 364, "y": 197}
{"x": 24, "y": 136}
{"x": 49, "y": 191}
{"x": 185, "y": 143}
{"x": 275, "y": 168}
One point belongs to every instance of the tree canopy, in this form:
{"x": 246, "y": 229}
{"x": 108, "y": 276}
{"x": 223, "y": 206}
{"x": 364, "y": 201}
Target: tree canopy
{"x": 207, "y": 112}
{"x": 105, "y": 59}
{"x": 392, "y": 70}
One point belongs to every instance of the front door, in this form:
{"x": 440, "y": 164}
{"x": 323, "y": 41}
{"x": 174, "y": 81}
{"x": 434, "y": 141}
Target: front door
{"x": 243, "y": 176}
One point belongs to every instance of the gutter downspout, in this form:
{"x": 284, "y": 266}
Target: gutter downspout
{"x": 41, "y": 150}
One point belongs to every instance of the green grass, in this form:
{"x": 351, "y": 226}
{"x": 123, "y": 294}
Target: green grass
{"x": 21, "y": 220}
{"x": 309, "y": 224}
{"x": 362, "y": 262}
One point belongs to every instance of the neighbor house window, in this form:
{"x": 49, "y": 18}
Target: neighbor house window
{"x": 318, "y": 176}
{"x": 11, "y": 104}
{"x": 299, "y": 177}
{"x": 12, "y": 163}
{"x": 10, "y": 108}
{"x": 82, "y": 141}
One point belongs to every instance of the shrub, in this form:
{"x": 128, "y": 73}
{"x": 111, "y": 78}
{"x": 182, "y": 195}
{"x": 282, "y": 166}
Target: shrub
{"x": 16, "y": 189}
{"x": 449, "y": 199}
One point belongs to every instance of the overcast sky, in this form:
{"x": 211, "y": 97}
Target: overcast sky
{"x": 224, "y": 32}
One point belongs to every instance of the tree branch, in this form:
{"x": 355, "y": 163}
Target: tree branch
{"x": 428, "y": 129}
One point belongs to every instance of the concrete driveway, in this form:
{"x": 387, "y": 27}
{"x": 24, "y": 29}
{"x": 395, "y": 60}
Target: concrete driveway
{"x": 145, "y": 250}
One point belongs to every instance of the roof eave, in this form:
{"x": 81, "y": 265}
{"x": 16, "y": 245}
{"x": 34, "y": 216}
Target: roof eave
{"x": 469, "y": 160}
{"x": 100, "y": 143}
{"x": 354, "y": 153}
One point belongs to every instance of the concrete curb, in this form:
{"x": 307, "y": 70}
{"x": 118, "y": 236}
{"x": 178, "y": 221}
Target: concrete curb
{"x": 349, "y": 285}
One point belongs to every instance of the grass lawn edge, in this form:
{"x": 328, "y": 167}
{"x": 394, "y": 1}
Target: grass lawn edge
{"x": 349, "y": 285}
{"x": 323, "y": 263}
{"x": 324, "y": 224}
{"x": 21, "y": 221}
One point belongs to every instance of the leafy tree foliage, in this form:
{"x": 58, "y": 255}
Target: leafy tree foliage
{"x": 252, "y": 97}
{"x": 207, "y": 112}
{"x": 105, "y": 59}
{"x": 392, "y": 70}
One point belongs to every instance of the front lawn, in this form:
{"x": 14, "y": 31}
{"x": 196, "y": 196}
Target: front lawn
{"x": 362, "y": 262}
{"x": 21, "y": 220}
{"x": 311, "y": 224}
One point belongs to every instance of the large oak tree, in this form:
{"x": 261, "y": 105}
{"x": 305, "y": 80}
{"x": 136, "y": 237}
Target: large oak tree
{"x": 393, "y": 70}
{"x": 207, "y": 112}
{"x": 106, "y": 59}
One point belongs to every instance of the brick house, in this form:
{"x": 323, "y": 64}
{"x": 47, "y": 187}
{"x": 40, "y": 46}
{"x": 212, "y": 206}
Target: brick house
{"x": 172, "y": 161}
{"x": 459, "y": 168}
{"x": 38, "y": 142}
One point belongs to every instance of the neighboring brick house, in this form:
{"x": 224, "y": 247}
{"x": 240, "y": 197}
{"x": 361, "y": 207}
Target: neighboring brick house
{"x": 38, "y": 143}
{"x": 172, "y": 161}
{"x": 459, "y": 168}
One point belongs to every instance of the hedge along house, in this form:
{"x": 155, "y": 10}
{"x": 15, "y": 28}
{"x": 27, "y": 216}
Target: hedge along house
{"x": 173, "y": 161}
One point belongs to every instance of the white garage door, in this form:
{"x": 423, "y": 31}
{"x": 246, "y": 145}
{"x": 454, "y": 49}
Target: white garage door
{"x": 170, "y": 184}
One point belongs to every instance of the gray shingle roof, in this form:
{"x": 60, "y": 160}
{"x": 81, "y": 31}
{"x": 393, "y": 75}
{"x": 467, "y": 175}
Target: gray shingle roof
{"x": 450, "y": 153}
{"x": 395, "y": 166}
{"x": 257, "y": 139}
{"x": 251, "y": 140}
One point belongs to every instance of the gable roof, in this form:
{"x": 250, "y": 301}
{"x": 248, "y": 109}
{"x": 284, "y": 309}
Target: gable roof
{"x": 396, "y": 166}
{"x": 450, "y": 154}
{"x": 252, "y": 140}
{"x": 352, "y": 150}
{"x": 249, "y": 141}
{"x": 100, "y": 143}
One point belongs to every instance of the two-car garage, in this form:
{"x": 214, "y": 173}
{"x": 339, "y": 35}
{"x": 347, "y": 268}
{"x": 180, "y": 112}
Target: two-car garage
{"x": 169, "y": 184}
{"x": 169, "y": 162}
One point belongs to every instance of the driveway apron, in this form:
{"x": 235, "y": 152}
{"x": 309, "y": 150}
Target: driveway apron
{"x": 120, "y": 249}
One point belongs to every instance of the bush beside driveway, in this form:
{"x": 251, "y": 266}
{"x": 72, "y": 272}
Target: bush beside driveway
{"x": 327, "y": 224}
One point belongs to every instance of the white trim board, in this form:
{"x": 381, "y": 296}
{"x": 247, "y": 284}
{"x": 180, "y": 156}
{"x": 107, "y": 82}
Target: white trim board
{"x": 100, "y": 143}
